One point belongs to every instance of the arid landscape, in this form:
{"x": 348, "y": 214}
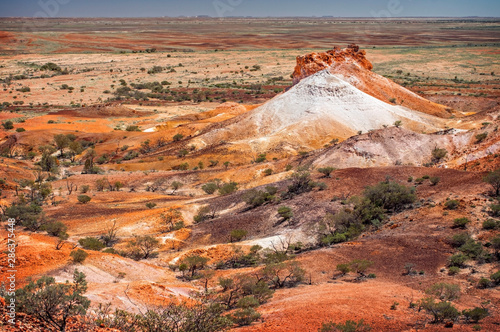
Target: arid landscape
{"x": 245, "y": 174}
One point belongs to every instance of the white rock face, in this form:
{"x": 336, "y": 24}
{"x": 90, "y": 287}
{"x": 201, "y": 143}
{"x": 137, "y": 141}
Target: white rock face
{"x": 318, "y": 108}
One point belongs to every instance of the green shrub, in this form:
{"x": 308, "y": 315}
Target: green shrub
{"x": 53, "y": 303}
{"x": 458, "y": 260}
{"x": 150, "y": 205}
{"x": 439, "y": 310}
{"x": 484, "y": 283}
{"x": 285, "y": 212}
{"x": 238, "y": 234}
{"x": 261, "y": 158}
{"x": 495, "y": 277}
{"x": 452, "y": 204}
{"x": 348, "y": 326}
{"x": 55, "y": 228}
{"x": 495, "y": 210}
{"x": 84, "y": 199}
{"x": 460, "y": 222}
{"x": 390, "y": 195}
{"x": 132, "y": 128}
{"x": 454, "y": 270}
{"x": 228, "y": 188}
{"x": 326, "y": 171}
{"x": 438, "y": 154}
{"x": 20, "y": 130}
{"x": 91, "y": 243}
{"x": 78, "y": 256}
{"x": 210, "y": 188}
{"x": 178, "y": 137}
{"x": 481, "y": 137}
{"x": 459, "y": 240}
{"x": 493, "y": 178}
{"x": 491, "y": 224}
{"x": 475, "y": 315}
{"x": 255, "y": 198}
{"x": 7, "y": 125}
{"x": 268, "y": 172}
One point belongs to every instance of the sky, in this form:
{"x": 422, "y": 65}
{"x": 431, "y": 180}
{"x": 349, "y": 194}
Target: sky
{"x": 224, "y": 8}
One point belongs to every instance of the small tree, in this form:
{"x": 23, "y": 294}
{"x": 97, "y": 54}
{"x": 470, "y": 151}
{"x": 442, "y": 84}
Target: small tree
{"x": 398, "y": 123}
{"x": 194, "y": 263}
{"x": 61, "y": 141}
{"x": 493, "y": 179}
{"x": 326, "y": 171}
{"x": 176, "y": 185}
{"x": 55, "y": 228}
{"x": 481, "y": 137}
{"x": 54, "y": 303}
{"x": 439, "y": 310}
{"x": 178, "y": 137}
{"x": 84, "y": 199}
{"x": 145, "y": 245}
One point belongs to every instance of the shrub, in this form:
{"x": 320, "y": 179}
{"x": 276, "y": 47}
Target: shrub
{"x": 472, "y": 249}
{"x": 435, "y": 180}
{"x": 460, "y": 223}
{"x": 55, "y": 228}
{"x": 246, "y": 316}
{"x": 454, "y": 270}
{"x": 53, "y": 303}
{"x": 495, "y": 210}
{"x": 285, "y": 212}
{"x": 85, "y": 189}
{"x": 459, "y": 240}
{"x": 452, "y": 204}
{"x": 178, "y": 137}
{"x": 390, "y": 195}
{"x": 326, "y": 171}
{"x": 484, "y": 283}
{"x": 458, "y": 260}
{"x": 78, "y": 256}
{"x": 268, "y": 172}
{"x": 344, "y": 268}
{"x": 91, "y": 243}
{"x": 255, "y": 198}
{"x": 475, "y": 315}
{"x": 348, "y": 326}
{"x": 84, "y": 199}
{"x": 238, "y": 234}
{"x": 228, "y": 188}
{"x": 7, "y": 125}
{"x": 444, "y": 291}
{"x": 132, "y": 128}
{"x": 495, "y": 277}
{"x": 438, "y": 154}
{"x": 440, "y": 311}
{"x": 493, "y": 179}
{"x": 481, "y": 137}
{"x": 491, "y": 224}
{"x": 20, "y": 130}
{"x": 150, "y": 205}
{"x": 210, "y": 188}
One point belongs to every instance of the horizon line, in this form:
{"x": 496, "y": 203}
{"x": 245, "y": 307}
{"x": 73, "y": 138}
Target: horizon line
{"x": 269, "y": 17}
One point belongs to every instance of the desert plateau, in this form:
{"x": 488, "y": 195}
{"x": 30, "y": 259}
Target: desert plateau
{"x": 291, "y": 174}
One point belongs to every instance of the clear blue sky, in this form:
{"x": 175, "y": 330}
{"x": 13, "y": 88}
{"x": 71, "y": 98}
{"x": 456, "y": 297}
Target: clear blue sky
{"x": 158, "y": 8}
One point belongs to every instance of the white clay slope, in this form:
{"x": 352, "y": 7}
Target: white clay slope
{"x": 317, "y": 109}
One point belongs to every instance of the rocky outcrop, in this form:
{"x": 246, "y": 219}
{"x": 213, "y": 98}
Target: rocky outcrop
{"x": 351, "y": 65}
{"x": 312, "y": 63}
